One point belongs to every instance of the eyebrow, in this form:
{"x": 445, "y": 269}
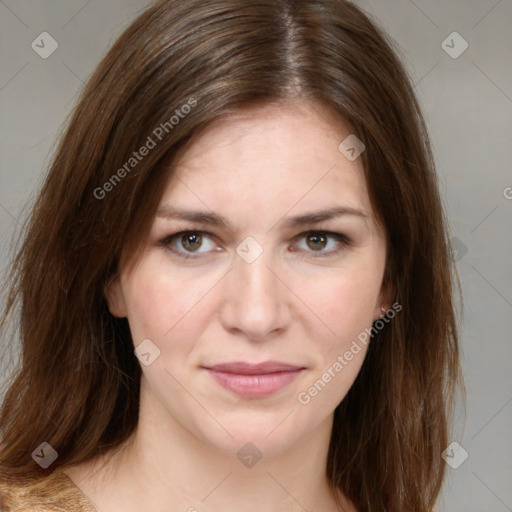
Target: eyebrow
{"x": 214, "y": 219}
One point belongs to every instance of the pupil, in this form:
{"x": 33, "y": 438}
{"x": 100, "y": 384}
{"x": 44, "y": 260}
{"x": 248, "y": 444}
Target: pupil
{"x": 317, "y": 240}
{"x": 191, "y": 242}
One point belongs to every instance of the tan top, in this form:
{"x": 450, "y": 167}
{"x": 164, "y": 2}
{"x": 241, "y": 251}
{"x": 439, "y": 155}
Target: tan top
{"x": 55, "y": 493}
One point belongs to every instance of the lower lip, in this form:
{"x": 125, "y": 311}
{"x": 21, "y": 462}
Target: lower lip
{"x": 254, "y": 386}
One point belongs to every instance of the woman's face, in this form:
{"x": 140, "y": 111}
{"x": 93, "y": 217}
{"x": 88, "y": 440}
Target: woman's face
{"x": 281, "y": 262}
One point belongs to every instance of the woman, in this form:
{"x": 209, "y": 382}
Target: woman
{"x": 236, "y": 287}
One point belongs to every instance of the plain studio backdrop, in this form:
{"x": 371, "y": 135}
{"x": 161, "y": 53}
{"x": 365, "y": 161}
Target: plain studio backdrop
{"x": 458, "y": 54}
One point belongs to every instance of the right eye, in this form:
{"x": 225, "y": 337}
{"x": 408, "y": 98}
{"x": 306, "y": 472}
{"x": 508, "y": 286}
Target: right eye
{"x": 188, "y": 243}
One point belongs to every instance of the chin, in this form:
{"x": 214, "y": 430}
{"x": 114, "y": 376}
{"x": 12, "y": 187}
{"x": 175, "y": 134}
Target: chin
{"x": 268, "y": 432}
{"x": 252, "y": 441}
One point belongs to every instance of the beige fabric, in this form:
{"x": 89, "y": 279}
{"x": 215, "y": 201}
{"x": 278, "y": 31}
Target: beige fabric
{"x": 56, "y": 493}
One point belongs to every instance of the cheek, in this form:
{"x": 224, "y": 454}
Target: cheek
{"x": 154, "y": 301}
{"x": 162, "y": 303}
{"x": 345, "y": 304}
{"x": 344, "y": 299}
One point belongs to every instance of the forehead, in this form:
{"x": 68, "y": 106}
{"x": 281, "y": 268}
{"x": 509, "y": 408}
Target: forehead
{"x": 266, "y": 158}
{"x": 284, "y": 131}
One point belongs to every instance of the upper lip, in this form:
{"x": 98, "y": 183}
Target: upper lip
{"x": 241, "y": 367}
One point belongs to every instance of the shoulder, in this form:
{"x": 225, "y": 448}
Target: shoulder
{"x": 54, "y": 493}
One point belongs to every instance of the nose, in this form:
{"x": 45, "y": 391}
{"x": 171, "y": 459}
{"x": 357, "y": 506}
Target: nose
{"x": 256, "y": 301}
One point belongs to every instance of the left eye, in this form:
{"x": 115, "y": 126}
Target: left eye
{"x": 321, "y": 243}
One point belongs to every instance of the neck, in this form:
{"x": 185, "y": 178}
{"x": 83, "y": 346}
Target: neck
{"x": 164, "y": 465}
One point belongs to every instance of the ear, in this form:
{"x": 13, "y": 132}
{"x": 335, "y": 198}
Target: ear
{"x": 385, "y": 300}
{"x": 115, "y": 298}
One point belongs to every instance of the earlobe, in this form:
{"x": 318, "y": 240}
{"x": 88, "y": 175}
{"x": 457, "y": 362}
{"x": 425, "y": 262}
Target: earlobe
{"x": 385, "y": 301}
{"x": 115, "y": 298}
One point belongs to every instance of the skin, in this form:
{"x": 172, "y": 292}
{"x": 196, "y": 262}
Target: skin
{"x": 256, "y": 170}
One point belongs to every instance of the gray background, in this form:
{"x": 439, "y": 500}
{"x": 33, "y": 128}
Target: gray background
{"x": 468, "y": 105}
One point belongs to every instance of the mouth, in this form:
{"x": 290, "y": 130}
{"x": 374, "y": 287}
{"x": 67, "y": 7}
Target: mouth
{"x": 254, "y": 380}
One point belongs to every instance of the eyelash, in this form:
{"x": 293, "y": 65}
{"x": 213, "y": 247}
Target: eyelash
{"x": 342, "y": 239}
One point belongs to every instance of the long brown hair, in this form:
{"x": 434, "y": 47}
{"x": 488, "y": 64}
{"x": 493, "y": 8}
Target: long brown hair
{"x": 178, "y": 67}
